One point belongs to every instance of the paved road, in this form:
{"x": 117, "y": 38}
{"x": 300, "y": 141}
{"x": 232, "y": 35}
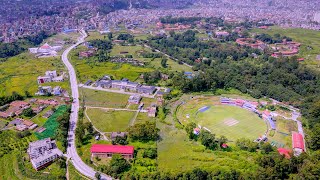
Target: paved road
{"x": 72, "y": 151}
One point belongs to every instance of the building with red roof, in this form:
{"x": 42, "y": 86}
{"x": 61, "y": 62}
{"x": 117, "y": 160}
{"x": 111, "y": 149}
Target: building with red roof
{"x": 297, "y": 143}
{"x": 107, "y": 150}
{"x": 285, "y": 152}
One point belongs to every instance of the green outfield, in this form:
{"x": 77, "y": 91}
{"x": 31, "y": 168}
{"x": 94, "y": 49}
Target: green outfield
{"x": 230, "y": 121}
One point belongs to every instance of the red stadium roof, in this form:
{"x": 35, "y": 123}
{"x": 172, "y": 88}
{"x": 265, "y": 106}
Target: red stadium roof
{"x": 297, "y": 140}
{"x": 106, "y": 148}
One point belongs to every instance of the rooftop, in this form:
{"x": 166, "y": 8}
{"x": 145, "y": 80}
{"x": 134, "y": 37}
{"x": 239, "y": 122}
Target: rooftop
{"x": 106, "y": 148}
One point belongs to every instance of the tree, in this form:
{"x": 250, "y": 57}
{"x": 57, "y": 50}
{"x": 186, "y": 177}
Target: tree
{"x": 120, "y": 140}
{"x": 110, "y": 36}
{"x": 143, "y": 131}
{"x": 27, "y": 94}
{"x": 266, "y": 148}
{"x": 28, "y": 112}
{"x": 117, "y": 166}
{"x": 150, "y": 153}
{"x": 207, "y": 139}
{"x": 97, "y": 176}
{"x": 189, "y": 129}
{"x": 164, "y": 62}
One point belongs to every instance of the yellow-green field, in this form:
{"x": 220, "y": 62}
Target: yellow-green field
{"x": 176, "y": 152}
{"x": 102, "y": 98}
{"x": 20, "y": 73}
{"x": 110, "y": 120}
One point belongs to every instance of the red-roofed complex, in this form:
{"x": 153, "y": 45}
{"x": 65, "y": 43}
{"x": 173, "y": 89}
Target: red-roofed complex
{"x": 297, "y": 143}
{"x": 106, "y": 150}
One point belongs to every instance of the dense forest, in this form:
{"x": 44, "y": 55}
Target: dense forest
{"x": 187, "y": 48}
{"x": 15, "y": 48}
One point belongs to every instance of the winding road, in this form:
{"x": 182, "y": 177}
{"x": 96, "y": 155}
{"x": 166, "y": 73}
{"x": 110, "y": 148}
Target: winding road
{"x": 72, "y": 150}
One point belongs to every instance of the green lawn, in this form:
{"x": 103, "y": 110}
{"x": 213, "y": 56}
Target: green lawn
{"x": 177, "y": 153}
{"x": 110, "y": 121}
{"x": 143, "y": 117}
{"x": 103, "y": 98}
{"x": 230, "y": 121}
{"x": 2, "y": 123}
{"x": 233, "y": 122}
{"x": 95, "y": 70}
{"x": 19, "y": 73}
{"x": 282, "y": 136}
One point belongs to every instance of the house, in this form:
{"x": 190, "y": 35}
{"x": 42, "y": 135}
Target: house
{"x": 125, "y": 85}
{"x": 57, "y": 91}
{"x": 114, "y": 135}
{"x": 220, "y": 34}
{"x": 143, "y": 89}
{"x": 106, "y": 151}
{"x": 152, "y": 111}
{"x": 48, "y": 114}
{"x": 44, "y": 91}
{"x": 196, "y": 131}
{"x": 43, "y": 152}
{"x": 86, "y": 54}
{"x": 224, "y": 146}
{"x": 50, "y": 76}
{"x": 297, "y": 143}
{"x": 134, "y": 99}
{"x": 284, "y": 152}
{"x": 45, "y": 49}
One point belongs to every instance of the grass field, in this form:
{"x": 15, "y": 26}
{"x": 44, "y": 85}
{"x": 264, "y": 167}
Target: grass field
{"x": 89, "y": 69}
{"x": 19, "y": 73}
{"x": 103, "y": 98}
{"x": 308, "y": 38}
{"x": 109, "y": 120}
{"x": 143, "y": 117}
{"x": 176, "y": 152}
{"x": 2, "y": 123}
{"x": 232, "y": 122}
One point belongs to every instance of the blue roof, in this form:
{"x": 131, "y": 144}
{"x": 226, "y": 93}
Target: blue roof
{"x": 187, "y": 73}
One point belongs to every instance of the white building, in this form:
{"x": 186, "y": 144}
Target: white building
{"x": 42, "y": 153}
{"x": 50, "y": 76}
{"x": 46, "y": 50}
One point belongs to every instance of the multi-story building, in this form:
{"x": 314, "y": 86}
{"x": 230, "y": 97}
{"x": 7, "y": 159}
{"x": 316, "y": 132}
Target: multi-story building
{"x": 42, "y": 153}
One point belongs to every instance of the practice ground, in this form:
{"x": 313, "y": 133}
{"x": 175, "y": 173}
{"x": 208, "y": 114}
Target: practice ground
{"x": 109, "y": 120}
{"x": 230, "y": 121}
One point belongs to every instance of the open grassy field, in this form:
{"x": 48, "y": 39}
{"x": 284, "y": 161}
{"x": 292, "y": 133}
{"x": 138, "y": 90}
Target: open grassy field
{"x": 143, "y": 117}
{"x": 310, "y": 40}
{"x": 232, "y": 122}
{"x": 89, "y": 69}
{"x": 176, "y": 152}
{"x": 103, "y": 98}
{"x": 19, "y": 73}
{"x": 2, "y": 123}
{"x": 109, "y": 120}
